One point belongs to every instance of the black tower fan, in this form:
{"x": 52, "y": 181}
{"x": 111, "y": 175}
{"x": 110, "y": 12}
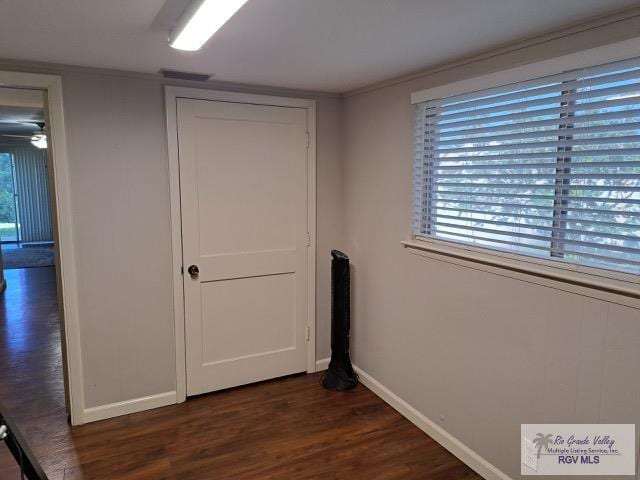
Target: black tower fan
{"x": 340, "y": 375}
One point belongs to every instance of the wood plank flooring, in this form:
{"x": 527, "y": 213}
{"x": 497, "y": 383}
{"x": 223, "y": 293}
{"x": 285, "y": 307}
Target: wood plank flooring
{"x": 288, "y": 428}
{"x": 8, "y": 467}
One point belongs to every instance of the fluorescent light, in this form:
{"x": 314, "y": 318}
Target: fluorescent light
{"x": 201, "y": 21}
{"x": 39, "y": 140}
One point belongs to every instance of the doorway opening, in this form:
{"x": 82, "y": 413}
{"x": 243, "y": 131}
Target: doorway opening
{"x": 31, "y": 329}
{"x": 26, "y": 227}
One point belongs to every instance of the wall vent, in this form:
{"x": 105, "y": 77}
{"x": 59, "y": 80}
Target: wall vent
{"x": 178, "y": 75}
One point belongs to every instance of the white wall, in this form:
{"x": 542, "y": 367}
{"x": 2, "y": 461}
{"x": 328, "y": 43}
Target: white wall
{"x": 330, "y": 212}
{"x": 119, "y": 180}
{"x": 119, "y": 194}
{"x": 475, "y": 351}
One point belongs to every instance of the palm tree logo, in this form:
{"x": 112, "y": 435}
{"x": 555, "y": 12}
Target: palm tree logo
{"x": 542, "y": 441}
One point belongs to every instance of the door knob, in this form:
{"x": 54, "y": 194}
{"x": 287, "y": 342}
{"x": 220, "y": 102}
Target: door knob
{"x": 193, "y": 270}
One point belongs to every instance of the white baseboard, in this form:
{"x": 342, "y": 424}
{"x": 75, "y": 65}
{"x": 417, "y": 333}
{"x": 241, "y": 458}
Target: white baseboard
{"x": 455, "y": 446}
{"x": 111, "y": 410}
{"x": 322, "y": 364}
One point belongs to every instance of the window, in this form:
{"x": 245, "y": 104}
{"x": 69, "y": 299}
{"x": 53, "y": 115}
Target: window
{"x": 8, "y": 221}
{"x": 548, "y": 167}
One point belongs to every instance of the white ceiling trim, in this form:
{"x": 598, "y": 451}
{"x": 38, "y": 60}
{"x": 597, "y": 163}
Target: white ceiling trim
{"x": 57, "y": 69}
{"x": 624, "y": 20}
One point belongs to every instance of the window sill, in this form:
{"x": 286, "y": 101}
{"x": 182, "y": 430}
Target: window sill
{"x": 515, "y": 265}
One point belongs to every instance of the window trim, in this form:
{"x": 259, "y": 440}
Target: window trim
{"x": 611, "y": 281}
{"x": 614, "y": 282}
{"x": 614, "y": 52}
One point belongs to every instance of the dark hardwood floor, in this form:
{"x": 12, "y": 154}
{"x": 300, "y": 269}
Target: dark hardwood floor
{"x": 288, "y": 428}
{"x": 31, "y": 385}
{"x": 8, "y": 467}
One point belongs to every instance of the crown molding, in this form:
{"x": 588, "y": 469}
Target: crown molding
{"x": 61, "y": 69}
{"x": 623, "y": 25}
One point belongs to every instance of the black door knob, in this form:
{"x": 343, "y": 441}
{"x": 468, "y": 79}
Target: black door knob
{"x": 193, "y": 270}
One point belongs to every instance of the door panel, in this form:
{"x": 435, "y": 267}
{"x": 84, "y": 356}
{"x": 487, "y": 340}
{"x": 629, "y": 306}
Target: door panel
{"x": 243, "y": 182}
{"x": 268, "y": 217}
{"x": 265, "y": 324}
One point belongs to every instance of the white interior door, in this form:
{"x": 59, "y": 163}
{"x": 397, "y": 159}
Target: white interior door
{"x": 243, "y": 189}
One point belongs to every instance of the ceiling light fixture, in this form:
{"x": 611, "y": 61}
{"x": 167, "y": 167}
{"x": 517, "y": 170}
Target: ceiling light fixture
{"x": 39, "y": 140}
{"x": 200, "y": 21}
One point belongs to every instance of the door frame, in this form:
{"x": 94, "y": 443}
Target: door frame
{"x": 61, "y": 211}
{"x": 172, "y": 94}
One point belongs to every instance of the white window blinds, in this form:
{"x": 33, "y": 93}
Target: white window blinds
{"x": 548, "y": 167}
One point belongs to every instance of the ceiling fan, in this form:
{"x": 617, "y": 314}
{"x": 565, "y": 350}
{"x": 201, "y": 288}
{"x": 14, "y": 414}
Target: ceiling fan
{"x": 38, "y": 138}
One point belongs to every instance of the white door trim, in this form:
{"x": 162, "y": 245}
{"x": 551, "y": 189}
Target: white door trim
{"x": 52, "y": 85}
{"x": 172, "y": 93}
